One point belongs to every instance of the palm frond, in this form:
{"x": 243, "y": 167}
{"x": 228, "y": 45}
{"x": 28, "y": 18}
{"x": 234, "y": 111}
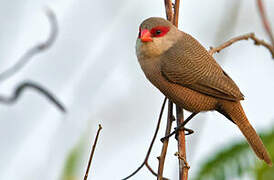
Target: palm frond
{"x": 237, "y": 160}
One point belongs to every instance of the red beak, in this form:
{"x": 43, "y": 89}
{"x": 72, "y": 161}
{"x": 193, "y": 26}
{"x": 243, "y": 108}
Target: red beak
{"x": 146, "y": 36}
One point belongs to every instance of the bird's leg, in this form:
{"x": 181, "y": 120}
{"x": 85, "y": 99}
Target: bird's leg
{"x": 187, "y": 131}
{"x": 181, "y": 127}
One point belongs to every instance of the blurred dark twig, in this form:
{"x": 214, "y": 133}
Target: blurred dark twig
{"x": 37, "y": 49}
{"x": 92, "y": 151}
{"x": 265, "y": 21}
{"x": 31, "y": 85}
{"x": 145, "y": 162}
{"x": 243, "y": 37}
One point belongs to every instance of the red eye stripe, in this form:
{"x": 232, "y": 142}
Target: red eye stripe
{"x": 159, "y": 31}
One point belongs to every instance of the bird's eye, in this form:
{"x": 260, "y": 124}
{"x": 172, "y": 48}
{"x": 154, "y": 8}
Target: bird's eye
{"x": 139, "y": 35}
{"x": 158, "y": 32}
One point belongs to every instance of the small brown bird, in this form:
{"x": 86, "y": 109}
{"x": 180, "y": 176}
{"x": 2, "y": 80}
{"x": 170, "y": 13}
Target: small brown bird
{"x": 182, "y": 69}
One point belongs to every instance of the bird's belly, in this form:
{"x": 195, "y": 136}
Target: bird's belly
{"x": 188, "y": 99}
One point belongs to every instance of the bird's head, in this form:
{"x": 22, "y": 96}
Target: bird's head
{"x": 156, "y": 35}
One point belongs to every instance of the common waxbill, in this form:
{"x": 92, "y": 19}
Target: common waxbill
{"x": 182, "y": 69}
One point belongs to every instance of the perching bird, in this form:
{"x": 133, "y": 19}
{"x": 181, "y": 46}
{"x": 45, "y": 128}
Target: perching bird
{"x": 182, "y": 69}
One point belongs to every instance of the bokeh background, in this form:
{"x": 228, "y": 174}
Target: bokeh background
{"x": 93, "y": 70}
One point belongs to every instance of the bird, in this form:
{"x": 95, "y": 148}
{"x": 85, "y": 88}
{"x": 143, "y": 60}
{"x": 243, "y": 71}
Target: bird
{"x": 184, "y": 71}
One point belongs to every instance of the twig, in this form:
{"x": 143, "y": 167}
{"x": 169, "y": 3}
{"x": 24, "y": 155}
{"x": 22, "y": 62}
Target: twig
{"x": 39, "y": 48}
{"x": 266, "y": 23}
{"x": 150, "y": 169}
{"x": 151, "y": 145}
{"x": 92, "y": 151}
{"x": 20, "y": 88}
{"x": 176, "y": 13}
{"x": 183, "y": 170}
{"x": 165, "y": 143}
{"x": 243, "y": 37}
{"x": 181, "y": 138}
{"x": 169, "y": 12}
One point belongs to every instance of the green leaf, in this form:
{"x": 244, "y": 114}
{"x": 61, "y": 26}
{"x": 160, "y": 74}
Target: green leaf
{"x": 72, "y": 162}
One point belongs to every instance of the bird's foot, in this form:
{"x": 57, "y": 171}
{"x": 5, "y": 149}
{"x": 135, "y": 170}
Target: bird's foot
{"x": 187, "y": 131}
{"x": 176, "y": 131}
{"x": 180, "y": 127}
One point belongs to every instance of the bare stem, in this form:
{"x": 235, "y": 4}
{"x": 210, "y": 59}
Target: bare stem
{"x": 165, "y": 143}
{"x": 181, "y": 138}
{"x": 151, "y": 145}
{"x": 176, "y": 12}
{"x": 92, "y": 151}
{"x": 181, "y": 145}
{"x": 183, "y": 172}
{"x": 169, "y": 12}
{"x": 266, "y": 23}
{"x": 243, "y": 37}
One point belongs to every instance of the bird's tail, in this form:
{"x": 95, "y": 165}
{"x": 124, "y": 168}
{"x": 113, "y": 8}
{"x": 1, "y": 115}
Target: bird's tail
{"x": 237, "y": 114}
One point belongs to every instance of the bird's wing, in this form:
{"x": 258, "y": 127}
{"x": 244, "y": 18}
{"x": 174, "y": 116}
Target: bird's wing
{"x": 189, "y": 64}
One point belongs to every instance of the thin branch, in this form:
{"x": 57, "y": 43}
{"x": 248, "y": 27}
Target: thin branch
{"x": 176, "y": 12}
{"x": 181, "y": 145}
{"x": 92, "y": 152}
{"x": 183, "y": 172}
{"x": 181, "y": 138}
{"x": 31, "y": 85}
{"x": 165, "y": 143}
{"x": 169, "y": 12}
{"x": 243, "y": 37}
{"x": 150, "y": 169}
{"x": 151, "y": 145}
{"x": 266, "y": 23}
{"x": 39, "y": 48}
